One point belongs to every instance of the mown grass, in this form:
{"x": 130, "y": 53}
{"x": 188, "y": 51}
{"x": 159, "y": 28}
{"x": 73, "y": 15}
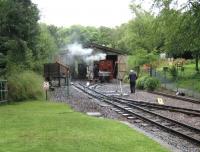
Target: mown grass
{"x": 188, "y": 78}
{"x": 52, "y": 127}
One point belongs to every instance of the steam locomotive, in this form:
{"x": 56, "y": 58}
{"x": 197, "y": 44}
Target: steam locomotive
{"x": 102, "y": 70}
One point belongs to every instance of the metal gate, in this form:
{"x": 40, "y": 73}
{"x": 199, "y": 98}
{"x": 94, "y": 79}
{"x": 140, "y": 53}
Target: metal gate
{"x": 3, "y": 91}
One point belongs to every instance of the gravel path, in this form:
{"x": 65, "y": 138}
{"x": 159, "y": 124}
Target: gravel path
{"x": 148, "y": 97}
{"x": 82, "y": 103}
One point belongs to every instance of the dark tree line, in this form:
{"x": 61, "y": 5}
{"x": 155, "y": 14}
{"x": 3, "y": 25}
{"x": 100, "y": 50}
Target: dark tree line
{"x": 18, "y": 31}
{"x": 26, "y": 44}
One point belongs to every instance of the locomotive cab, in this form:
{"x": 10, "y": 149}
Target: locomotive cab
{"x": 105, "y": 70}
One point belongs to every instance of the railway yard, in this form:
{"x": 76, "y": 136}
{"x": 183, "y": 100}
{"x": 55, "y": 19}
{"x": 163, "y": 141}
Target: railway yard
{"x": 100, "y": 76}
{"x": 97, "y": 89}
{"x": 175, "y": 123}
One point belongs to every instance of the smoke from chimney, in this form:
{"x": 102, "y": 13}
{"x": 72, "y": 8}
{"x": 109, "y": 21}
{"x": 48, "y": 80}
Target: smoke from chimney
{"x": 96, "y": 57}
{"x": 77, "y": 49}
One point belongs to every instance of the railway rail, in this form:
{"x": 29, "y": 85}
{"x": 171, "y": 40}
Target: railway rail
{"x": 131, "y": 111}
{"x": 154, "y": 106}
{"x": 162, "y": 107}
{"x": 177, "y": 97}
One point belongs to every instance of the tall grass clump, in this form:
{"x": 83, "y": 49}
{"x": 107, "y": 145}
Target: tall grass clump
{"x": 25, "y": 85}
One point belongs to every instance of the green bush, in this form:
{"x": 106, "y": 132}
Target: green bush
{"x": 140, "y": 82}
{"x": 148, "y": 83}
{"x": 151, "y": 83}
{"x": 25, "y": 85}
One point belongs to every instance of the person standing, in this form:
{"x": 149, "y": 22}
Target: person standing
{"x": 132, "y": 78}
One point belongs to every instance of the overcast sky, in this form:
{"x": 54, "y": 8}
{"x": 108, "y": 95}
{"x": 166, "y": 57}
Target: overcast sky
{"x": 84, "y": 12}
{"x": 97, "y": 13}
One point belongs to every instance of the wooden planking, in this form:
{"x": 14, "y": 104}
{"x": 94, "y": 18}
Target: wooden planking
{"x": 122, "y": 66}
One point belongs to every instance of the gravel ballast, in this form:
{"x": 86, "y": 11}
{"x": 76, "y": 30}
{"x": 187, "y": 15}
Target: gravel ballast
{"x": 144, "y": 96}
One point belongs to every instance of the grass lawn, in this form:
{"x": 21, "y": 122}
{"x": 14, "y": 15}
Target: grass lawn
{"x": 188, "y": 79}
{"x": 53, "y": 127}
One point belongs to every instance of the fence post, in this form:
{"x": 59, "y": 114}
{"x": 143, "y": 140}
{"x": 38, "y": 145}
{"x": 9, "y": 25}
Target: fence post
{"x": 165, "y": 69}
{"x": 67, "y": 85}
{"x": 3, "y": 91}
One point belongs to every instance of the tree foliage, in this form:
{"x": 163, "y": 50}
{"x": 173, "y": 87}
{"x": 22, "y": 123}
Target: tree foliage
{"x": 46, "y": 47}
{"x": 24, "y": 44}
{"x": 18, "y": 31}
{"x": 180, "y": 27}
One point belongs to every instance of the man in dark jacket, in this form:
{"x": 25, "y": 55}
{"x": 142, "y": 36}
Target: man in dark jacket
{"x": 133, "y": 78}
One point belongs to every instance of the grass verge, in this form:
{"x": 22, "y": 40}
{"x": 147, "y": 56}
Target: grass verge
{"x": 53, "y": 127}
{"x": 187, "y": 79}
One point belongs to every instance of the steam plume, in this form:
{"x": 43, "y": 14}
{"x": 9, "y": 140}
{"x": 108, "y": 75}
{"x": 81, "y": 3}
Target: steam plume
{"x": 96, "y": 57}
{"x": 77, "y": 49}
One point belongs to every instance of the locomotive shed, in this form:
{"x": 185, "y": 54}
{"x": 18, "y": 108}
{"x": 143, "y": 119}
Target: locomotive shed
{"x": 115, "y": 63}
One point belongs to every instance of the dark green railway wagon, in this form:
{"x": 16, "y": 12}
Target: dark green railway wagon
{"x": 55, "y": 71}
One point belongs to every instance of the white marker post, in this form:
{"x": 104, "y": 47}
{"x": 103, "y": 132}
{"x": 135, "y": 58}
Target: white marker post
{"x": 46, "y": 87}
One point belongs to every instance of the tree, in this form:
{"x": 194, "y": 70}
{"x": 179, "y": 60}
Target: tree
{"x": 46, "y": 48}
{"x": 75, "y": 33}
{"x": 191, "y": 26}
{"x": 138, "y": 33}
{"x": 181, "y": 27}
{"x": 18, "y": 31}
{"x": 106, "y": 36}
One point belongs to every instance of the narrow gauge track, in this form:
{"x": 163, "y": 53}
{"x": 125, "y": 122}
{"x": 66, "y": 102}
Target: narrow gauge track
{"x": 187, "y": 99}
{"x": 162, "y": 107}
{"x": 152, "y": 106}
{"x": 177, "y": 97}
{"x": 173, "y": 126}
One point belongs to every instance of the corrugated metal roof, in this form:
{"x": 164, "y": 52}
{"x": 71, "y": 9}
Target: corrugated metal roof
{"x": 104, "y": 48}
